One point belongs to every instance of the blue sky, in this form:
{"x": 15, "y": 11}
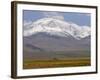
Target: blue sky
{"x": 82, "y": 19}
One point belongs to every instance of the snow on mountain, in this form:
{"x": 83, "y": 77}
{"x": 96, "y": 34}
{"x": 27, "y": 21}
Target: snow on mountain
{"x": 57, "y": 27}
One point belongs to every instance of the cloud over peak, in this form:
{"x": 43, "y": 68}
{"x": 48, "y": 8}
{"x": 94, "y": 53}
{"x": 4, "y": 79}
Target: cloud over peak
{"x": 55, "y": 15}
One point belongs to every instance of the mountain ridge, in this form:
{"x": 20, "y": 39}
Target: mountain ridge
{"x": 57, "y": 27}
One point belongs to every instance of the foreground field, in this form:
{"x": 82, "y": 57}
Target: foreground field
{"x": 69, "y": 62}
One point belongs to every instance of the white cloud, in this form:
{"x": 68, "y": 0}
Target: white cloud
{"x": 56, "y": 15}
{"x": 26, "y": 25}
{"x": 25, "y": 22}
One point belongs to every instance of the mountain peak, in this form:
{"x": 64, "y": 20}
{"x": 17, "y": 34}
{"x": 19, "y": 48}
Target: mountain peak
{"x": 53, "y": 26}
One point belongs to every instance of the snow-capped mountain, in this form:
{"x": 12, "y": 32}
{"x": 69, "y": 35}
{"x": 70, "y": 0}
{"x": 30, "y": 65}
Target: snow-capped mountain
{"x": 50, "y": 38}
{"x": 57, "y": 27}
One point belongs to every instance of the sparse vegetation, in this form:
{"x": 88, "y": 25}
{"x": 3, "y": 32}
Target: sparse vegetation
{"x": 69, "y": 62}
